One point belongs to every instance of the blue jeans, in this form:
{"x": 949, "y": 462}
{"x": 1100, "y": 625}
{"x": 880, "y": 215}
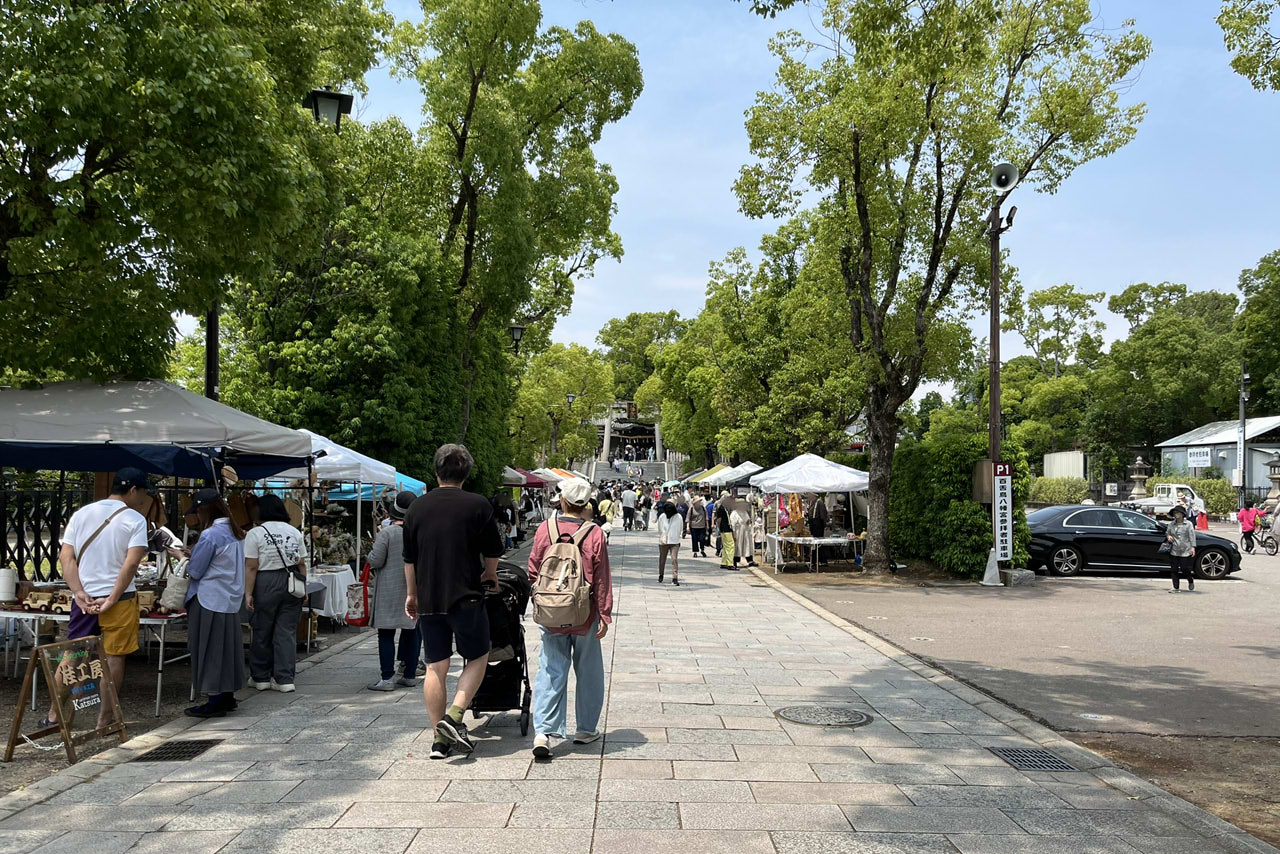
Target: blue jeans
{"x": 551, "y": 687}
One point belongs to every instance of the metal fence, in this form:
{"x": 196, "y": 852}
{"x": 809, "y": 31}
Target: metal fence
{"x": 33, "y": 518}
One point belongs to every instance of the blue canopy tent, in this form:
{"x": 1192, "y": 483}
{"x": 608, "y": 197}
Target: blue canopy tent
{"x": 404, "y": 483}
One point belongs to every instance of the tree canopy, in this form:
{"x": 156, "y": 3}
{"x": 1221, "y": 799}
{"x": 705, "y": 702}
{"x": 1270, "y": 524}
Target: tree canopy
{"x": 545, "y": 427}
{"x": 1251, "y": 29}
{"x": 632, "y": 344}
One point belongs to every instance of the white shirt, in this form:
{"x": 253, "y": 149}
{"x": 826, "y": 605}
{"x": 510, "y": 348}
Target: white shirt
{"x": 100, "y": 566}
{"x": 670, "y": 529}
{"x": 629, "y": 499}
{"x": 261, "y": 543}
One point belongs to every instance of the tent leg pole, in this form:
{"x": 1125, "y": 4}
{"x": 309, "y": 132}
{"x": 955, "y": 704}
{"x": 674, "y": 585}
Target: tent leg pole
{"x": 359, "y": 513}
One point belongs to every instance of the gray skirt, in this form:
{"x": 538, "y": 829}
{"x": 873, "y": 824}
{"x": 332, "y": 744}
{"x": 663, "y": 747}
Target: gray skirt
{"x": 217, "y": 651}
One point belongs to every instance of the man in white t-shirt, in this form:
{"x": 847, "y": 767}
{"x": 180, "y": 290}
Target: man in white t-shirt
{"x": 629, "y": 499}
{"x": 101, "y": 548}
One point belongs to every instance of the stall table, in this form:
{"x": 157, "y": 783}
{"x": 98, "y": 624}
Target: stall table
{"x": 776, "y": 541}
{"x": 157, "y": 627}
{"x": 335, "y": 582}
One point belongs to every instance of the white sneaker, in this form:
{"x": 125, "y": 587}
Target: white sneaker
{"x": 261, "y": 686}
{"x": 283, "y": 689}
{"x": 541, "y": 746}
{"x": 585, "y": 737}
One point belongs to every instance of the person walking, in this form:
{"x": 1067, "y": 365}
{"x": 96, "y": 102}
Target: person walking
{"x": 1248, "y": 519}
{"x": 386, "y": 559}
{"x": 214, "y": 598}
{"x": 629, "y": 499}
{"x": 102, "y": 546}
{"x": 451, "y": 552}
{"x": 740, "y": 519}
{"x": 272, "y": 551}
{"x": 1181, "y": 536}
{"x": 724, "y": 527}
{"x": 681, "y": 499}
{"x": 698, "y": 521}
{"x": 578, "y": 646}
{"x": 670, "y": 532}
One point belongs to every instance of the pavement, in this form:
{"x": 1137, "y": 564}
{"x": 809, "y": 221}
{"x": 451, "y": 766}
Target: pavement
{"x": 693, "y": 757}
{"x": 1099, "y": 652}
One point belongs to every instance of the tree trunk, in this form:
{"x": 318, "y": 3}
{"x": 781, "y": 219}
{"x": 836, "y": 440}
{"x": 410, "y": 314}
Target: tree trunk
{"x": 882, "y": 433}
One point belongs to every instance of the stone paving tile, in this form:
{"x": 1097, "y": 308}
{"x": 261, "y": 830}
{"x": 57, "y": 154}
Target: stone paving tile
{"x": 982, "y": 796}
{"x": 243, "y": 816}
{"x": 501, "y": 841}
{"x": 727, "y": 736}
{"x": 426, "y": 815}
{"x": 17, "y": 841}
{"x": 1069, "y": 822}
{"x": 99, "y": 817}
{"x": 206, "y": 772}
{"x": 94, "y": 792}
{"x": 314, "y": 771}
{"x": 1094, "y": 797}
{"x": 642, "y": 815}
{"x": 255, "y": 792}
{"x": 518, "y": 791}
{"x": 799, "y": 753}
{"x": 720, "y": 816}
{"x": 332, "y": 841}
{"x": 686, "y": 791}
{"x": 930, "y": 820}
{"x": 636, "y": 769}
{"x": 379, "y": 791}
{"x": 678, "y": 842}
{"x": 635, "y": 735}
{"x": 806, "y": 842}
{"x": 990, "y": 775}
{"x": 1171, "y": 845}
{"x": 188, "y": 842}
{"x": 1041, "y": 845}
{"x": 515, "y": 768}
{"x": 870, "y": 772}
{"x": 167, "y": 794}
{"x": 86, "y": 840}
{"x": 933, "y": 756}
{"x": 579, "y": 769}
{"x": 573, "y": 815}
{"x": 829, "y": 793}
{"x": 269, "y": 752}
{"x": 687, "y": 752}
{"x": 749, "y": 771}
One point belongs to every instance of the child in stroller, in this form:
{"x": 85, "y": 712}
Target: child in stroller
{"x": 508, "y": 670}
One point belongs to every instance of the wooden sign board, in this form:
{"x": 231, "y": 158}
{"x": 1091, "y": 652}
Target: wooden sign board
{"x": 79, "y": 684}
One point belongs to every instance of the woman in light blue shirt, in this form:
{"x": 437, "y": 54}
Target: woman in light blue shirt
{"x": 214, "y": 598}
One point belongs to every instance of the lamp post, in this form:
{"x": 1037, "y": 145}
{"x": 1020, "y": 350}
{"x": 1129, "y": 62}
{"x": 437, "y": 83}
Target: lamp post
{"x": 1242, "y": 437}
{"x": 1003, "y": 178}
{"x": 571, "y": 397}
{"x": 516, "y": 331}
{"x": 328, "y": 106}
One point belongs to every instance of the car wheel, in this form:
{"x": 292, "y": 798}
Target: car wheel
{"x": 1212, "y": 564}
{"x": 1065, "y": 560}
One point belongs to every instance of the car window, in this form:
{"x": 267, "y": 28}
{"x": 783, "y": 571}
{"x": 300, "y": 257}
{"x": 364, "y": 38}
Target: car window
{"x": 1138, "y": 522}
{"x": 1098, "y": 518}
{"x": 1044, "y": 514}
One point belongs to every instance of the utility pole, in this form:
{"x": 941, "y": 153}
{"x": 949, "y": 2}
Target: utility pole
{"x": 211, "y": 372}
{"x": 1242, "y": 438}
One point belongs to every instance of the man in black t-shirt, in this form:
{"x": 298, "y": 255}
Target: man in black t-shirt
{"x": 451, "y": 551}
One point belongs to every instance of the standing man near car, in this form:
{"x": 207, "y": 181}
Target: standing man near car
{"x": 451, "y": 551}
{"x": 101, "y": 548}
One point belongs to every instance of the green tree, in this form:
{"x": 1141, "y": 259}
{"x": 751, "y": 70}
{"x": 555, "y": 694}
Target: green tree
{"x": 896, "y": 128}
{"x": 151, "y": 150}
{"x": 1055, "y": 323}
{"x": 1258, "y": 324}
{"x": 1251, "y": 29}
{"x": 543, "y": 422}
{"x": 682, "y": 388}
{"x": 632, "y": 344}
{"x": 1138, "y": 302}
{"x": 929, "y": 404}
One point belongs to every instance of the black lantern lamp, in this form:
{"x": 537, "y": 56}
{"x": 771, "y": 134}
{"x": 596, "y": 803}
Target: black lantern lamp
{"x": 516, "y": 331}
{"x": 329, "y": 106}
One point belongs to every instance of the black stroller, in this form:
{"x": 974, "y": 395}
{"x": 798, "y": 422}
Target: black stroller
{"x": 508, "y": 669}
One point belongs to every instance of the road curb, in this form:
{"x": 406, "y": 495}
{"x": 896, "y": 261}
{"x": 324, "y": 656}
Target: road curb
{"x": 100, "y": 763}
{"x": 1222, "y": 832}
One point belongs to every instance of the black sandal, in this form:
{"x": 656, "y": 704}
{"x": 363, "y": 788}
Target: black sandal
{"x": 675, "y": 581}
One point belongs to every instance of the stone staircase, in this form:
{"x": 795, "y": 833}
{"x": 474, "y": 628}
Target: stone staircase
{"x": 601, "y": 471}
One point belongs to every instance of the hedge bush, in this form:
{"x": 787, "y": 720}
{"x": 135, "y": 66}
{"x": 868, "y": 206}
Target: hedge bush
{"x": 964, "y": 550}
{"x": 1058, "y": 490}
{"x": 928, "y": 477}
{"x": 1220, "y": 497}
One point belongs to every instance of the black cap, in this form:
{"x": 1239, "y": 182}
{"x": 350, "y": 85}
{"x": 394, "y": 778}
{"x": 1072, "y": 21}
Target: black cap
{"x": 401, "y": 505}
{"x": 203, "y": 497}
{"x": 128, "y": 478}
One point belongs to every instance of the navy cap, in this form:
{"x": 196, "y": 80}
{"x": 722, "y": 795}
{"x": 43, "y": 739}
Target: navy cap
{"x": 128, "y": 478}
{"x": 203, "y": 497}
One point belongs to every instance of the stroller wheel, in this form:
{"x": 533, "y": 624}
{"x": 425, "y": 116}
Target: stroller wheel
{"x": 524, "y": 723}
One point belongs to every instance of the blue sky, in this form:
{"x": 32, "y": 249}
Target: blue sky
{"x": 1192, "y": 199}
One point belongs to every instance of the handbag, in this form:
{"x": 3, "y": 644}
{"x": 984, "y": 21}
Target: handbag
{"x": 358, "y": 610}
{"x": 1165, "y": 548}
{"x": 296, "y": 583}
{"x": 174, "y": 597}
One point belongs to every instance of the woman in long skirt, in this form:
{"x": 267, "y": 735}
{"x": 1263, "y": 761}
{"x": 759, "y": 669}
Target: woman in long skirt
{"x": 743, "y": 542}
{"x": 214, "y": 599}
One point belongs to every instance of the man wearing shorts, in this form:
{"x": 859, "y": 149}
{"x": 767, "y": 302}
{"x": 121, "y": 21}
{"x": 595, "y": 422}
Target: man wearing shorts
{"x": 451, "y": 551}
{"x": 101, "y": 548}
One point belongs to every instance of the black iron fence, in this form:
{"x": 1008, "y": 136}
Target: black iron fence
{"x": 33, "y": 518}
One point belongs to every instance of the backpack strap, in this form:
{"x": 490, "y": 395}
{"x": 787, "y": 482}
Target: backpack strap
{"x": 553, "y": 530}
{"x": 581, "y": 534}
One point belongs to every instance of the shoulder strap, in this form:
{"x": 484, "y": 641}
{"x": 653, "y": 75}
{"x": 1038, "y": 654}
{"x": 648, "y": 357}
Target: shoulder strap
{"x": 84, "y": 548}
{"x": 553, "y": 530}
{"x": 581, "y": 534}
{"x": 284, "y": 564}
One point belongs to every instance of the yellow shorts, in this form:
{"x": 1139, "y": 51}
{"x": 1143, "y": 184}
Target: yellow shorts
{"x": 119, "y": 627}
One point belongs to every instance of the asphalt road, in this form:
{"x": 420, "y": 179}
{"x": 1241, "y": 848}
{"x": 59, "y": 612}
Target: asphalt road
{"x": 1120, "y": 648}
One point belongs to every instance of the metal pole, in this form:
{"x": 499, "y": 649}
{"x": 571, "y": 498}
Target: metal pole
{"x": 359, "y": 513}
{"x": 1242, "y": 446}
{"x": 993, "y": 439}
{"x": 211, "y": 352}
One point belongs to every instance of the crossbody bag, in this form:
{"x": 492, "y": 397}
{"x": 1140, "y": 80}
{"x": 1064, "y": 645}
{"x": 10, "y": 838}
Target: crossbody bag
{"x": 296, "y": 583}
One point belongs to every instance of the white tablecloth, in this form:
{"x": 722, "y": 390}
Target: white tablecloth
{"x": 776, "y": 542}
{"x": 335, "y": 592}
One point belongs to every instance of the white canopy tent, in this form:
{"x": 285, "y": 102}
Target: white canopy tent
{"x": 725, "y": 477}
{"x": 511, "y": 477}
{"x": 548, "y": 475}
{"x": 811, "y": 473}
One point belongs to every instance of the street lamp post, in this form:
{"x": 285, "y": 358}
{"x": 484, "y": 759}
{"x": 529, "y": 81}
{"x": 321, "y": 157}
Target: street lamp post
{"x": 1242, "y": 439}
{"x": 516, "y": 331}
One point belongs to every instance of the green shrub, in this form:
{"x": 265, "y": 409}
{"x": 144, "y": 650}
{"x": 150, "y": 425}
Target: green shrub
{"x": 1220, "y": 497}
{"x": 1058, "y": 490}
{"x": 966, "y": 540}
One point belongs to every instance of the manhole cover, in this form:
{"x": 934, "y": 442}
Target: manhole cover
{"x": 824, "y": 716}
{"x": 1031, "y": 759}
{"x": 179, "y": 751}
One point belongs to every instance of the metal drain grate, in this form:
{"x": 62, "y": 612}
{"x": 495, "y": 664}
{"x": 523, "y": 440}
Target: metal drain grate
{"x": 179, "y": 751}
{"x": 824, "y": 716}
{"x": 1031, "y": 759}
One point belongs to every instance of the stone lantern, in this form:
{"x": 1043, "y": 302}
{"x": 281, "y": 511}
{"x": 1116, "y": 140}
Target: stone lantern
{"x": 1273, "y": 475}
{"x": 1138, "y": 473}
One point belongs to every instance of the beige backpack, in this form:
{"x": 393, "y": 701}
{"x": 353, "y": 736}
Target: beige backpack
{"x": 562, "y": 595}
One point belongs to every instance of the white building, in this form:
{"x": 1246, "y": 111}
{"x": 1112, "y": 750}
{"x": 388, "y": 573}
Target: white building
{"x": 1214, "y": 446}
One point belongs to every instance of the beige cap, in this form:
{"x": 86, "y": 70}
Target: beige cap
{"x": 576, "y": 491}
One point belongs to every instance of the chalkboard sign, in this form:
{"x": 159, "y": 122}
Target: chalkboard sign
{"x": 79, "y": 684}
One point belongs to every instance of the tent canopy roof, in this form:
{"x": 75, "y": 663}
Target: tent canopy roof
{"x": 341, "y": 463}
{"x": 708, "y": 473}
{"x": 157, "y": 426}
{"x": 724, "y": 477}
{"x": 513, "y": 477}
{"x": 811, "y": 473}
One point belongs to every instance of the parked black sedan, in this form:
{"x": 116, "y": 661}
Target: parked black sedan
{"x": 1069, "y": 539}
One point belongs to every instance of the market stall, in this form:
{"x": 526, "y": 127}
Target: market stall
{"x": 732, "y": 476}
{"x": 809, "y": 473}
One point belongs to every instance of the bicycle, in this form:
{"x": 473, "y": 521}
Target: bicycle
{"x": 1264, "y": 536}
